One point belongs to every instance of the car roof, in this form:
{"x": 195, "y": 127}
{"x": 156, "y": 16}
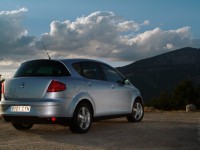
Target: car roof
{"x": 71, "y": 61}
{"x": 66, "y": 61}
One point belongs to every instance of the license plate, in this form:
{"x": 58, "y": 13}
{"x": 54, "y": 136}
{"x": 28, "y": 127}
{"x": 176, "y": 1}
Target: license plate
{"x": 21, "y": 108}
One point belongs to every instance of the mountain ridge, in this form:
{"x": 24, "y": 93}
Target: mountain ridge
{"x": 163, "y": 72}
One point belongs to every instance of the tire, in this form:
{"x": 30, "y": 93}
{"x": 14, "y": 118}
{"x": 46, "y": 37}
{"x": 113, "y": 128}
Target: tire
{"x": 21, "y": 126}
{"x": 137, "y": 112}
{"x": 82, "y": 119}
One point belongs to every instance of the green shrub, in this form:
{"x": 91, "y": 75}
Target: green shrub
{"x": 183, "y": 94}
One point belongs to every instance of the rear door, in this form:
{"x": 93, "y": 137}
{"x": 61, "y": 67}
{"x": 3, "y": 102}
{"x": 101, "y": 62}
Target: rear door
{"x": 97, "y": 87}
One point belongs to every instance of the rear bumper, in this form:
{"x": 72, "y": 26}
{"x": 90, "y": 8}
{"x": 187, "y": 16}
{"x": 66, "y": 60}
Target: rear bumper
{"x": 46, "y": 108}
{"x": 37, "y": 120}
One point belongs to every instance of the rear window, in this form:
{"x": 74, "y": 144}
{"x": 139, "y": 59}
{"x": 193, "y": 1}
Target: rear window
{"x": 42, "y": 68}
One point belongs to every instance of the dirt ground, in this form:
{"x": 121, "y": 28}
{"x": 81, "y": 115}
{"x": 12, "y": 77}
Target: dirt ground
{"x": 158, "y": 130}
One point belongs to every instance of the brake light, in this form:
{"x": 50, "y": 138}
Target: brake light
{"x": 2, "y": 88}
{"x": 53, "y": 119}
{"x": 56, "y": 86}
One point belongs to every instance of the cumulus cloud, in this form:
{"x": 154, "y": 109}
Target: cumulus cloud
{"x": 10, "y": 22}
{"x": 154, "y": 42}
{"x": 101, "y": 34}
{"x": 96, "y": 35}
{"x": 15, "y": 43}
{"x": 104, "y": 34}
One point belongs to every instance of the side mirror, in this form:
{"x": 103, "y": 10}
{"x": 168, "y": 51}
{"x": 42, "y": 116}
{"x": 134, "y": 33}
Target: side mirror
{"x": 124, "y": 81}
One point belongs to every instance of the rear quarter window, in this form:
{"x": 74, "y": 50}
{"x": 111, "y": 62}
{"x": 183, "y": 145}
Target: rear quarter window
{"x": 41, "y": 68}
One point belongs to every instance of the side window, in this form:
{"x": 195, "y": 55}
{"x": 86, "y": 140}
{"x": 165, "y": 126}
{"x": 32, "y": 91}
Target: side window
{"x": 91, "y": 70}
{"x": 111, "y": 74}
{"x": 77, "y": 67}
{"x": 88, "y": 70}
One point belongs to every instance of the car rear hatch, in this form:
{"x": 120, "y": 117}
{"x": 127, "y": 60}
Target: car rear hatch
{"x": 26, "y": 88}
{"x": 33, "y": 79}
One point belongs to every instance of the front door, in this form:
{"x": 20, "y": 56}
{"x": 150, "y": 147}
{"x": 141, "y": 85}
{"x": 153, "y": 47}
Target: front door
{"x": 120, "y": 99}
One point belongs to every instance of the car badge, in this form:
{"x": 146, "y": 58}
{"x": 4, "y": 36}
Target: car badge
{"x": 21, "y": 85}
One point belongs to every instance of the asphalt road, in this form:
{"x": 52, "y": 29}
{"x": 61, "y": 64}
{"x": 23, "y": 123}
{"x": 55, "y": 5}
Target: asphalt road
{"x": 158, "y": 130}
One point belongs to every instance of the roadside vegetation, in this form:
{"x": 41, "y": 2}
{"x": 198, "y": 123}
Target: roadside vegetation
{"x": 183, "y": 94}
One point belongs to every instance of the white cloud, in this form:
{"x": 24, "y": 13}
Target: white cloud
{"x": 7, "y": 63}
{"x": 98, "y": 35}
{"x": 128, "y": 26}
{"x": 104, "y": 34}
{"x": 154, "y": 42}
{"x": 146, "y": 22}
{"x": 11, "y": 28}
{"x": 169, "y": 46}
{"x": 15, "y": 43}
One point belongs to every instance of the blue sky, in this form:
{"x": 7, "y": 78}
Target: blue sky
{"x": 115, "y": 31}
{"x": 170, "y": 14}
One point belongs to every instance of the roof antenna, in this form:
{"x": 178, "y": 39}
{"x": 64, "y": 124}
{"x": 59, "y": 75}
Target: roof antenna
{"x": 46, "y": 50}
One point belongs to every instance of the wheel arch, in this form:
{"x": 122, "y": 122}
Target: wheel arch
{"x": 88, "y": 102}
{"x": 139, "y": 98}
{"x": 81, "y": 98}
{"x": 138, "y": 112}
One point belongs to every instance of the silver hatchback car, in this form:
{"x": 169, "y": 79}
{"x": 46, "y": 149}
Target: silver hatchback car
{"x": 71, "y": 92}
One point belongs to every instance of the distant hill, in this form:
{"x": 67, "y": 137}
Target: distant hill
{"x": 155, "y": 74}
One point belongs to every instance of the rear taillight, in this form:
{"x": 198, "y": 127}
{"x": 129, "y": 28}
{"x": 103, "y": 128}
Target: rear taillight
{"x": 53, "y": 119}
{"x": 56, "y": 86}
{"x": 2, "y": 88}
